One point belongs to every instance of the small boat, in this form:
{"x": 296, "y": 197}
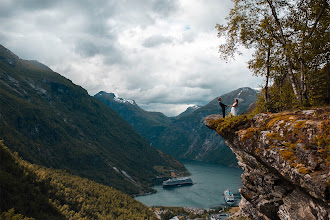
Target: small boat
{"x": 177, "y": 181}
{"x": 229, "y": 197}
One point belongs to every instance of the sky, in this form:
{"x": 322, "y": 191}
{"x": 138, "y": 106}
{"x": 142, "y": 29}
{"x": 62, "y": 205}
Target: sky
{"x": 161, "y": 53}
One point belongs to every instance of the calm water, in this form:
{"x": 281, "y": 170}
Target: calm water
{"x": 210, "y": 180}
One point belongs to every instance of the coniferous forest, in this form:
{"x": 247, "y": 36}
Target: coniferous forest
{"x": 37, "y": 192}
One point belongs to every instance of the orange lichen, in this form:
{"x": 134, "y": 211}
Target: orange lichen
{"x": 272, "y": 147}
{"x": 299, "y": 124}
{"x": 251, "y": 133}
{"x": 288, "y": 155}
{"x": 279, "y": 118}
{"x": 303, "y": 170}
{"x": 257, "y": 150}
{"x": 292, "y": 146}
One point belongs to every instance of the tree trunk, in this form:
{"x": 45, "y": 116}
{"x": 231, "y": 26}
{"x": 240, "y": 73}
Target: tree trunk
{"x": 292, "y": 78}
{"x": 267, "y": 79}
{"x": 303, "y": 86}
{"x": 284, "y": 46}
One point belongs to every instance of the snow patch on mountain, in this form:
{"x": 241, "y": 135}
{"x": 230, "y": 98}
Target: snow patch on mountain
{"x": 122, "y": 100}
{"x": 195, "y": 107}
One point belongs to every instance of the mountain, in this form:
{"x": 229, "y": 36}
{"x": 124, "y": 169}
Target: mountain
{"x": 188, "y": 111}
{"x": 42, "y": 193}
{"x": 184, "y": 136}
{"x": 50, "y": 121}
{"x": 188, "y": 138}
{"x": 148, "y": 124}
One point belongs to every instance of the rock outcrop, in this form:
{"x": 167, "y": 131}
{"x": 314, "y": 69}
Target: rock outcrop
{"x": 286, "y": 162}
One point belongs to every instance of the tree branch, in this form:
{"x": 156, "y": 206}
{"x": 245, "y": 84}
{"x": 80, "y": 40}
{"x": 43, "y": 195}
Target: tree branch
{"x": 325, "y": 4}
{"x": 278, "y": 23}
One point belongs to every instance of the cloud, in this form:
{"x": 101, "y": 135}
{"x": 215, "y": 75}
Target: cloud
{"x": 157, "y": 40}
{"x": 161, "y": 53}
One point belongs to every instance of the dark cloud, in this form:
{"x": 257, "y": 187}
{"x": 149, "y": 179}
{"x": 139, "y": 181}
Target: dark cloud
{"x": 162, "y": 53}
{"x": 165, "y": 7}
{"x": 157, "y": 40}
{"x": 34, "y": 5}
{"x": 88, "y": 48}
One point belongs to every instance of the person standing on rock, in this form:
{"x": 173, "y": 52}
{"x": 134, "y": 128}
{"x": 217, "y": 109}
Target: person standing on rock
{"x": 234, "y": 109}
{"x": 223, "y": 107}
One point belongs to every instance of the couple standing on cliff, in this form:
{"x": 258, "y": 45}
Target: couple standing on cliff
{"x": 234, "y": 108}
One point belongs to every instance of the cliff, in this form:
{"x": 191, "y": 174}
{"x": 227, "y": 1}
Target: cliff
{"x": 285, "y": 158}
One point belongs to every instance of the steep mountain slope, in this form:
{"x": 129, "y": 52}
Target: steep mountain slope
{"x": 50, "y": 121}
{"x": 43, "y": 193}
{"x": 188, "y": 138}
{"x": 184, "y": 136}
{"x": 148, "y": 124}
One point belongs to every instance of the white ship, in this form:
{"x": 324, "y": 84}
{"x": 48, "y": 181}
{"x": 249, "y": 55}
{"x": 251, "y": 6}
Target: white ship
{"x": 177, "y": 181}
{"x": 229, "y": 197}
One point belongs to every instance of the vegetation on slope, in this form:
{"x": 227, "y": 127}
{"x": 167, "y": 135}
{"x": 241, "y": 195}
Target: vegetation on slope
{"x": 43, "y": 193}
{"x": 148, "y": 124}
{"x": 52, "y": 122}
{"x": 288, "y": 133}
{"x": 185, "y": 136}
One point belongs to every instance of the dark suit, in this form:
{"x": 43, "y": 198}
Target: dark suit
{"x": 223, "y": 107}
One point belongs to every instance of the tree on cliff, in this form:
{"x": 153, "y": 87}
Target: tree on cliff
{"x": 290, "y": 39}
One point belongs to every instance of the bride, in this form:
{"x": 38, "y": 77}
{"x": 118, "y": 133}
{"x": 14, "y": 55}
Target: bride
{"x": 234, "y": 109}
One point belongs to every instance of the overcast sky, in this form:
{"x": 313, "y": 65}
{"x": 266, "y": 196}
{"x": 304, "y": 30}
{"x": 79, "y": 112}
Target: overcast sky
{"x": 161, "y": 53}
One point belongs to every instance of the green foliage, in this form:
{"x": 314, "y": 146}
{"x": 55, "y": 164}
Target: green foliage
{"x": 44, "y": 193}
{"x": 10, "y": 215}
{"x": 230, "y": 124}
{"x": 281, "y": 98}
{"x": 319, "y": 89}
{"x": 291, "y": 48}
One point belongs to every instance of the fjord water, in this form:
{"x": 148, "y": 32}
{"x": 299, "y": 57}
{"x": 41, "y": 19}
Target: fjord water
{"x": 210, "y": 181}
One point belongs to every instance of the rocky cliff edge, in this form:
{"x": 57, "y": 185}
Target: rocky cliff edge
{"x": 286, "y": 162}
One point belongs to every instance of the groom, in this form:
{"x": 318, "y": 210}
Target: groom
{"x": 223, "y": 107}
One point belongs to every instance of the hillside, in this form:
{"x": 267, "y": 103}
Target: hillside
{"x": 52, "y": 122}
{"x": 42, "y": 193}
{"x": 188, "y": 138}
{"x": 148, "y": 124}
{"x": 184, "y": 136}
{"x": 285, "y": 159}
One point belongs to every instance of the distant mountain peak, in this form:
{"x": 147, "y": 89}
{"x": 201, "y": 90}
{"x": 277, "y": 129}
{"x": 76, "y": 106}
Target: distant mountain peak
{"x": 195, "y": 107}
{"x": 189, "y": 110}
{"x": 116, "y": 98}
{"x": 122, "y": 100}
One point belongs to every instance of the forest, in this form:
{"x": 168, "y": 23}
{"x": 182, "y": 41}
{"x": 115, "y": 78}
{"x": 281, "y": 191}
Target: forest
{"x": 30, "y": 191}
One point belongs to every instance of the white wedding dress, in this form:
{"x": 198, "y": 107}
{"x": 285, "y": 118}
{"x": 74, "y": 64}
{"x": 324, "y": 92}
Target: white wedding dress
{"x": 234, "y": 111}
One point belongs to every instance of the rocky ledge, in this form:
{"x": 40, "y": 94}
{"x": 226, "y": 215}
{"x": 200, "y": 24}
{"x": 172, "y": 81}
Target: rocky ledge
{"x": 286, "y": 162}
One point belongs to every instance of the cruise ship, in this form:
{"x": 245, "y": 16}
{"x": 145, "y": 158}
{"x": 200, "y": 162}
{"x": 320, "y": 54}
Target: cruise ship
{"x": 177, "y": 181}
{"x": 229, "y": 197}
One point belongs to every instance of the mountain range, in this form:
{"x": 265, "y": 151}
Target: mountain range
{"x": 184, "y": 136}
{"x": 50, "y": 121}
